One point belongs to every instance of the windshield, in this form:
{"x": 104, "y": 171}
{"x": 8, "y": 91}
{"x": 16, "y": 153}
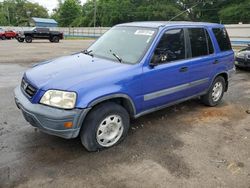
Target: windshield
{"x": 245, "y": 49}
{"x": 128, "y": 44}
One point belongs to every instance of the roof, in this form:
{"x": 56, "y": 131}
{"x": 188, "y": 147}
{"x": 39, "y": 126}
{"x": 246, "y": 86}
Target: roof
{"x": 44, "y": 20}
{"x": 157, "y": 24}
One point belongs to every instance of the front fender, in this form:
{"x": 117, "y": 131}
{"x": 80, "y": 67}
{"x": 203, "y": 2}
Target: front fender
{"x": 92, "y": 97}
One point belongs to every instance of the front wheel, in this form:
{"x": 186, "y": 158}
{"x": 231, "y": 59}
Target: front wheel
{"x": 215, "y": 93}
{"x": 105, "y": 126}
{"x": 20, "y": 39}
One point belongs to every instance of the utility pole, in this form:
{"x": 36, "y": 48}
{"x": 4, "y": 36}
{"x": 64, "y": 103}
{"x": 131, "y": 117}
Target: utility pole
{"x": 95, "y": 15}
{"x": 8, "y": 14}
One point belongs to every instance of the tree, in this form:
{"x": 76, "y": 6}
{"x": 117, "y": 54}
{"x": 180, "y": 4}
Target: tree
{"x": 69, "y": 13}
{"x": 235, "y": 13}
{"x": 19, "y": 12}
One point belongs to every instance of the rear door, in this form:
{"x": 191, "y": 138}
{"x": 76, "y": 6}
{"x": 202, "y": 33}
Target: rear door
{"x": 202, "y": 58}
{"x": 42, "y": 33}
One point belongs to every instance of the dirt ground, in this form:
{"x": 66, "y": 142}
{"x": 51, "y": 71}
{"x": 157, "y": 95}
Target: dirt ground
{"x": 187, "y": 145}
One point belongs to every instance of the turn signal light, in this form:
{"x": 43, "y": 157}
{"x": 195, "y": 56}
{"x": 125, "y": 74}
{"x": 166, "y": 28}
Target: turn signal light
{"x": 68, "y": 125}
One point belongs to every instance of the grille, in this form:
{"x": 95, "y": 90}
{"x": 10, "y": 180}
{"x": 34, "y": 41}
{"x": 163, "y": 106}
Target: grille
{"x": 28, "y": 89}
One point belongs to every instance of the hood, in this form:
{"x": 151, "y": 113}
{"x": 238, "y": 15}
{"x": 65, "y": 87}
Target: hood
{"x": 65, "y": 72}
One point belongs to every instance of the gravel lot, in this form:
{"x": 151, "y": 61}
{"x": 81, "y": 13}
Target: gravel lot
{"x": 188, "y": 145}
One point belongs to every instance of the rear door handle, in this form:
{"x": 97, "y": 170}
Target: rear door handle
{"x": 216, "y": 62}
{"x": 183, "y": 69}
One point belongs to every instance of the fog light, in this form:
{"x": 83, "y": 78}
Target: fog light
{"x": 68, "y": 125}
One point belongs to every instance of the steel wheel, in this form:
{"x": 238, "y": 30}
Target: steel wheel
{"x": 217, "y": 91}
{"x": 109, "y": 131}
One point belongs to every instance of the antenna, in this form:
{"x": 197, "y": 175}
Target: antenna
{"x": 185, "y": 11}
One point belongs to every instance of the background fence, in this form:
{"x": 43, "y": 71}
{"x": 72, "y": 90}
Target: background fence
{"x": 239, "y": 33}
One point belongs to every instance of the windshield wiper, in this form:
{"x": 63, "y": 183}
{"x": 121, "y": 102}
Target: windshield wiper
{"x": 88, "y": 52}
{"x": 116, "y": 56}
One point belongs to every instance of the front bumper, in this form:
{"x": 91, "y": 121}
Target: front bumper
{"x": 50, "y": 120}
{"x": 244, "y": 63}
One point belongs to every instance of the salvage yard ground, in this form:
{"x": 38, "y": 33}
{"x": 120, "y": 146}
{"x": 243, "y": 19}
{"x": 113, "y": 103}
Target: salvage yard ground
{"x": 187, "y": 145}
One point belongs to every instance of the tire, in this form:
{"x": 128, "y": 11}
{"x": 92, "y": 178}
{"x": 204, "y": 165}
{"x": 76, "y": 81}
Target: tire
{"x": 215, "y": 93}
{"x": 28, "y": 39}
{"x": 96, "y": 131}
{"x": 3, "y": 37}
{"x": 20, "y": 39}
{"x": 55, "y": 39}
{"x": 51, "y": 40}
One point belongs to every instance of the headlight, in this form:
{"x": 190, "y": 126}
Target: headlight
{"x": 60, "y": 99}
{"x": 240, "y": 55}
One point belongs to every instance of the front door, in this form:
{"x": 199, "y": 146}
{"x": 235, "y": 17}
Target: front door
{"x": 167, "y": 81}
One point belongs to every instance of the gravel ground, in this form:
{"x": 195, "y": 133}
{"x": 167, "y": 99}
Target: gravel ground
{"x": 187, "y": 145}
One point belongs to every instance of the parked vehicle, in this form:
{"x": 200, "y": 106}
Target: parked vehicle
{"x": 39, "y": 33}
{"x": 132, "y": 70}
{"x": 9, "y": 34}
{"x": 242, "y": 59}
{"x": 1, "y": 33}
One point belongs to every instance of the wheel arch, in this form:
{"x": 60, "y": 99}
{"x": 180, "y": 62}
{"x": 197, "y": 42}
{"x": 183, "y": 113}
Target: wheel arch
{"x": 121, "y": 99}
{"x": 225, "y": 76}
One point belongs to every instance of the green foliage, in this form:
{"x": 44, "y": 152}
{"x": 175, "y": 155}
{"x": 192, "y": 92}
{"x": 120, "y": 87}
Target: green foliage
{"x": 111, "y": 12}
{"x": 19, "y": 12}
{"x": 236, "y": 13}
{"x": 70, "y": 13}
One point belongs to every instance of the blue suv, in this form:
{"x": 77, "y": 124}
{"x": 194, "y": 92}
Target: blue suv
{"x": 133, "y": 69}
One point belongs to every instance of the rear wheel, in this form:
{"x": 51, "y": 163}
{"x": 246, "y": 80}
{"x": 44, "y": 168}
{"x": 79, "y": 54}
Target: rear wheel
{"x": 55, "y": 39}
{"x": 3, "y": 37}
{"x": 215, "y": 93}
{"x": 28, "y": 39}
{"x": 105, "y": 126}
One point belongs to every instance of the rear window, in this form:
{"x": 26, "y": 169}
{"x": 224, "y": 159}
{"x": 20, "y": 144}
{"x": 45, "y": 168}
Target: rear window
{"x": 42, "y": 29}
{"x": 199, "y": 42}
{"x": 222, "y": 39}
{"x": 210, "y": 44}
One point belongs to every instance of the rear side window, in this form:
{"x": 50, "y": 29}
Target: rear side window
{"x": 42, "y": 30}
{"x": 198, "y": 42}
{"x": 210, "y": 44}
{"x": 222, "y": 39}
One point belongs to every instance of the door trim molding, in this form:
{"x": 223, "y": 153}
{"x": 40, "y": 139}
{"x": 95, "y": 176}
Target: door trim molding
{"x": 169, "y": 104}
{"x": 175, "y": 89}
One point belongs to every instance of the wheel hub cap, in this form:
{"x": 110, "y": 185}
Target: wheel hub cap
{"x": 217, "y": 91}
{"x": 109, "y": 131}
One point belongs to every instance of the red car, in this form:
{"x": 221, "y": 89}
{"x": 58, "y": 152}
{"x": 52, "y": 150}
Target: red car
{"x": 7, "y": 34}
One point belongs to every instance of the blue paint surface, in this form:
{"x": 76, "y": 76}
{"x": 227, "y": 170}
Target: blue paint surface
{"x": 94, "y": 78}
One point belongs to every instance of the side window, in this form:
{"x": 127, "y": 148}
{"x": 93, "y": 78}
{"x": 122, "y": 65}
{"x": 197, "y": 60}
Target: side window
{"x": 222, "y": 39}
{"x": 198, "y": 42}
{"x": 171, "y": 47}
{"x": 210, "y": 44}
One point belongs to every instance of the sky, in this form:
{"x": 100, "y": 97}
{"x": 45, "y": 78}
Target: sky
{"x": 49, "y": 4}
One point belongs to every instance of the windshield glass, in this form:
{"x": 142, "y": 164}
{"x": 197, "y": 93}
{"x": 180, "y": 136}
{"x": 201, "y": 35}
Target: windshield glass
{"x": 127, "y": 43}
{"x": 245, "y": 49}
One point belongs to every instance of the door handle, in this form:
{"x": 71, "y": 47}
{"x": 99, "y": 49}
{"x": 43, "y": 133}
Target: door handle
{"x": 183, "y": 69}
{"x": 216, "y": 62}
